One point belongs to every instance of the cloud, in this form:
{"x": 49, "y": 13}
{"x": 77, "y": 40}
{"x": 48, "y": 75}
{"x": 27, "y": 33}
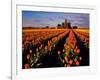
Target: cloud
{"x": 42, "y": 19}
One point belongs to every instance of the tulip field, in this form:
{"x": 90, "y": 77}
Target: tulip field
{"x": 45, "y": 48}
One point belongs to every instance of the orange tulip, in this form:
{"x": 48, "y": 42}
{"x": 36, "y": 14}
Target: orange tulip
{"x": 71, "y": 61}
{"x": 77, "y": 63}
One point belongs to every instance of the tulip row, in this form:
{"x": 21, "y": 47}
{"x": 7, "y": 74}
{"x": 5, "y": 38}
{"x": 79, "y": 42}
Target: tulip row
{"x": 71, "y": 53}
{"x": 34, "y": 59}
{"x": 36, "y": 37}
{"x": 56, "y": 39}
{"x": 84, "y": 37}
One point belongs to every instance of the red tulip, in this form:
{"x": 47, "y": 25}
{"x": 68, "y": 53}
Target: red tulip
{"x": 26, "y": 66}
{"x": 78, "y": 50}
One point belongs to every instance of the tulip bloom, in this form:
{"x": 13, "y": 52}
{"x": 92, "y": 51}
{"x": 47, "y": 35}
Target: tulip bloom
{"x": 77, "y": 63}
{"x": 26, "y": 66}
{"x": 28, "y": 56}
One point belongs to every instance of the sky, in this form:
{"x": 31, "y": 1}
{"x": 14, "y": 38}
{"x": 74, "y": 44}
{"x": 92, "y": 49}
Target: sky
{"x": 42, "y": 19}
